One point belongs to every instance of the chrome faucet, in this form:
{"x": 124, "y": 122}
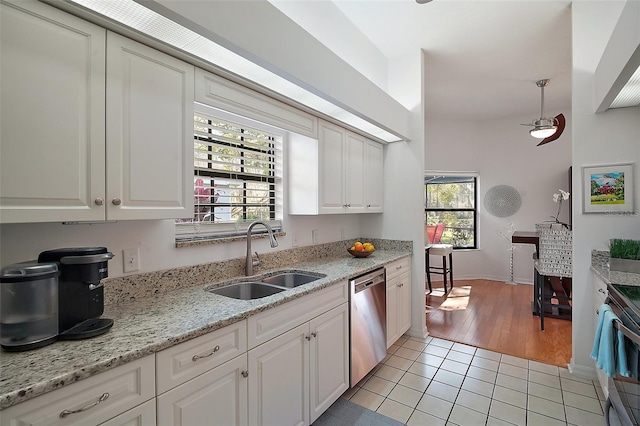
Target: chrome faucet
{"x": 250, "y": 263}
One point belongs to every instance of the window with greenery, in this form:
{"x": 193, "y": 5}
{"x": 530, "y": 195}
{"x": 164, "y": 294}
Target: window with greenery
{"x": 451, "y": 200}
{"x": 237, "y": 177}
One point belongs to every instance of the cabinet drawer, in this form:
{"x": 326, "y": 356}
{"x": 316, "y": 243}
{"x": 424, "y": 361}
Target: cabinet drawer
{"x": 187, "y": 360}
{"x": 398, "y": 267}
{"x": 273, "y": 322}
{"x": 125, "y": 387}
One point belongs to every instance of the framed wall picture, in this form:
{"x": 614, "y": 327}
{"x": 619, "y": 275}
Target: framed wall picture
{"x": 608, "y": 188}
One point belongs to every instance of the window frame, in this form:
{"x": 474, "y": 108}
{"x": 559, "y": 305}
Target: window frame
{"x": 197, "y": 230}
{"x": 466, "y": 175}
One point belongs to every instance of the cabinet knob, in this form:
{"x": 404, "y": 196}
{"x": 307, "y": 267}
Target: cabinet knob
{"x": 307, "y": 337}
{"x": 602, "y": 291}
{"x": 245, "y": 374}
{"x": 314, "y": 334}
{"x": 116, "y": 201}
{"x": 368, "y": 205}
{"x": 99, "y": 201}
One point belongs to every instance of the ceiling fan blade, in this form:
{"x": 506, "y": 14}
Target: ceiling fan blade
{"x": 556, "y": 135}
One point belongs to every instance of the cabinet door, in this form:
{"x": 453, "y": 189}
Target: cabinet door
{"x": 355, "y": 149}
{"x": 279, "y": 380}
{"x": 150, "y": 99}
{"x": 217, "y": 397}
{"x": 329, "y": 359}
{"x": 374, "y": 177}
{"x": 392, "y": 312}
{"x": 331, "y": 170}
{"x": 52, "y": 109}
{"x": 404, "y": 303}
{"x": 142, "y": 415}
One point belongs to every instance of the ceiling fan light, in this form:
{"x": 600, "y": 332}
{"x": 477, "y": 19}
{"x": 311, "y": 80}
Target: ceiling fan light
{"x": 543, "y": 132}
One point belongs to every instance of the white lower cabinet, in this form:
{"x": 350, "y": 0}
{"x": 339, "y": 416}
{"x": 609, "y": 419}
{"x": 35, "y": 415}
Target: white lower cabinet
{"x": 108, "y": 397}
{"x": 398, "y": 299}
{"x": 142, "y": 415}
{"x": 217, "y": 397}
{"x": 279, "y": 380}
{"x": 296, "y": 376}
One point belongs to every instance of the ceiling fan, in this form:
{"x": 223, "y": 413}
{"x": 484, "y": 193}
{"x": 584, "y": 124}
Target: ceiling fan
{"x": 547, "y": 129}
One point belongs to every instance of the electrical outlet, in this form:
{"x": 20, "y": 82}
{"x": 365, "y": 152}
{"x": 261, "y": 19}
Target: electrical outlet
{"x": 131, "y": 259}
{"x": 314, "y": 236}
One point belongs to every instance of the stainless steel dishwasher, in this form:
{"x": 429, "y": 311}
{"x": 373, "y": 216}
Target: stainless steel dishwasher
{"x": 368, "y": 319}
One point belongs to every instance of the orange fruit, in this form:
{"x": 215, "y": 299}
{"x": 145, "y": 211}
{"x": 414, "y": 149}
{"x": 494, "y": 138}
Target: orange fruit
{"x": 358, "y": 246}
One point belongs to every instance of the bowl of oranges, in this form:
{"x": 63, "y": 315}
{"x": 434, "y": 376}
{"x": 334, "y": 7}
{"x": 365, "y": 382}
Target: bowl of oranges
{"x": 359, "y": 249}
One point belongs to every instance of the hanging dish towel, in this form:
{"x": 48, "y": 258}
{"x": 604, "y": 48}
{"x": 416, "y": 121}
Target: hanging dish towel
{"x": 608, "y": 345}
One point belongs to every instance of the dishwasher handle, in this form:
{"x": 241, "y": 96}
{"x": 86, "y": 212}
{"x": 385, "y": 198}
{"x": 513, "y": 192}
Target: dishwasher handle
{"x": 372, "y": 280}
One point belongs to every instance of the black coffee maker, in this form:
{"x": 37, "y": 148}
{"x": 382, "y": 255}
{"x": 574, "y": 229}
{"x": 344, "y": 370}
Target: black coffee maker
{"x": 80, "y": 290}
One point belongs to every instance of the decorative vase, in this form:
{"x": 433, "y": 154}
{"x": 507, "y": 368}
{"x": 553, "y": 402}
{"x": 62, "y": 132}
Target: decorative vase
{"x": 624, "y": 265}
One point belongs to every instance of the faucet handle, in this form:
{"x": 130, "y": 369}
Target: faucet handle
{"x": 257, "y": 261}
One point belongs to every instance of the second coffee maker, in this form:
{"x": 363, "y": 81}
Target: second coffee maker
{"x": 80, "y": 290}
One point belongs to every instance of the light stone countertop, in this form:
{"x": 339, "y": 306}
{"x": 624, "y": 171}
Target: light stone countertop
{"x": 150, "y": 324}
{"x": 600, "y": 266}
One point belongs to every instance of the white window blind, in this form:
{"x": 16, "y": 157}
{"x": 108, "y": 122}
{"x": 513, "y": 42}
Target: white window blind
{"x": 237, "y": 179}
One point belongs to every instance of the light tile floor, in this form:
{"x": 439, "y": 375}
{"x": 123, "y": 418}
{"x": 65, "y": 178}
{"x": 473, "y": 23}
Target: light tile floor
{"x": 437, "y": 382}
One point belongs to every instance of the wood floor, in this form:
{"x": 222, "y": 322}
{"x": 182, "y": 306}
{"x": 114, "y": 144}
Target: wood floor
{"x": 497, "y": 316}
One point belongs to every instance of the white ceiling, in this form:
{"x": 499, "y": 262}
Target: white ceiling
{"x": 483, "y": 57}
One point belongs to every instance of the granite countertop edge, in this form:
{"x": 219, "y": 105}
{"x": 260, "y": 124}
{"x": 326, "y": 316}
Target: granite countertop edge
{"x": 144, "y": 327}
{"x": 600, "y": 267}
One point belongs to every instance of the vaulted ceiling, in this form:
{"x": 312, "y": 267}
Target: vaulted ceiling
{"x": 482, "y": 57}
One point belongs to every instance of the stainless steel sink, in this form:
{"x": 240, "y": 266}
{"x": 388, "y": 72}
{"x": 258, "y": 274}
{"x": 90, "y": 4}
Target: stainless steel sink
{"x": 247, "y": 290}
{"x": 292, "y": 279}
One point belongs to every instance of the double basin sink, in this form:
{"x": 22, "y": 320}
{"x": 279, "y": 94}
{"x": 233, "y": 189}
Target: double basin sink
{"x": 248, "y": 290}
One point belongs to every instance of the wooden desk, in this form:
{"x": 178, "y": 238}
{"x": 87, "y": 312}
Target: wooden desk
{"x": 525, "y": 237}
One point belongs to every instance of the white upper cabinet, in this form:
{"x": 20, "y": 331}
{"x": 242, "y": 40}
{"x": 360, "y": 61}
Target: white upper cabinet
{"x": 150, "y": 99}
{"x": 52, "y": 142}
{"x": 226, "y": 95}
{"x": 92, "y": 129}
{"x": 374, "y": 177}
{"x": 331, "y": 175}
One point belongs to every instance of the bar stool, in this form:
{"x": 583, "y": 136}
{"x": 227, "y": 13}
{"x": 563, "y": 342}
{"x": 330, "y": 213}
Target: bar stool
{"x": 443, "y": 250}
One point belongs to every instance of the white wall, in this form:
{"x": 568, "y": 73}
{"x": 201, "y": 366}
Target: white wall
{"x": 609, "y": 137}
{"x": 343, "y": 38}
{"x": 503, "y": 153}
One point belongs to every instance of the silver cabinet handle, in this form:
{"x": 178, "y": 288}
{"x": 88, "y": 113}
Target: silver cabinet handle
{"x": 307, "y": 337}
{"x": 116, "y": 201}
{"x": 401, "y": 285}
{"x": 314, "y": 334}
{"x": 197, "y": 357}
{"x": 66, "y": 413}
{"x": 99, "y": 201}
{"x": 245, "y": 374}
{"x": 602, "y": 291}
{"x": 398, "y": 268}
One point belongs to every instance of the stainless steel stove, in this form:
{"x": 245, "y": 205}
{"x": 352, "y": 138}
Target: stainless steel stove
{"x": 623, "y": 404}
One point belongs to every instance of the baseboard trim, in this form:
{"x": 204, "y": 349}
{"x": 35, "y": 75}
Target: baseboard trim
{"x": 582, "y": 371}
